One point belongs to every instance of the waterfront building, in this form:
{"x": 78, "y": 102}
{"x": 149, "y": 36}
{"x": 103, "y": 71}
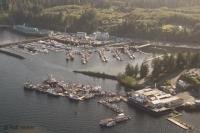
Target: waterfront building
{"x": 101, "y": 36}
{"x": 155, "y": 100}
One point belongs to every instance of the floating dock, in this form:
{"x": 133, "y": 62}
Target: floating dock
{"x": 180, "y": 123}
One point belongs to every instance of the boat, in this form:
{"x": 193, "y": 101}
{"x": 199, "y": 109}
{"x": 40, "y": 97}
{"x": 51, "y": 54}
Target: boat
{"x": 88, "y": 96}
{"x": 111, "y": 124}
{"x": 121, "y": 118}
{"x": 52, "y": 92}
{"x": 28, "y": 86}
{"x": 74, "y": 97}
{"x": 108, "y": 122}
{"x": 23, "y": 29}
{"x": 42, "y": 88}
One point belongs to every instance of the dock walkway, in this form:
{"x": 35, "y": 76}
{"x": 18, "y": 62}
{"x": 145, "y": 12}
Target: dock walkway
{"x": 180, "y": 123}
{"x": 11, "y": 53}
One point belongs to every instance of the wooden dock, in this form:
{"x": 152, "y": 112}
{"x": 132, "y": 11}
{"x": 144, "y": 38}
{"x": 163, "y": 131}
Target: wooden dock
{"x": 179, "y": 123}
{"x": 142, "y": 46}
{"x": 150, "y": 59}
{"x": 130, "y": 46}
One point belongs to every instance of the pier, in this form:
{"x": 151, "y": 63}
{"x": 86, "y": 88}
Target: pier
{"x": 173, "y": 119}
{"x": 142, "y": 46}
{"x": 179, "y": 123}
{"x": 150, "y": 59}
{"x": 24, "y": 42}
{"x": 122, "y": 45}
{"x": 11, "y": 53}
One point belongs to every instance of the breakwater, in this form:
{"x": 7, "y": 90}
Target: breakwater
{"x": 5, "y": 51}
{"x": 23, "y": 42}
{"x": 112, "y": 77}
{"x": 97, "y": 74}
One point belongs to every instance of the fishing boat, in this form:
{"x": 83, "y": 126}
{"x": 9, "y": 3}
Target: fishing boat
{"x": 29, "y": 86}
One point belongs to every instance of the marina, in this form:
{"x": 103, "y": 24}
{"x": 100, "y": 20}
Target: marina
{"x": 58, "y": 113}
{"x": 73, "y": 91}
{"x": 79, "y": 92}
{"x": 46, "y": 45}
{"x": 85, "y": 51}
{"x": 99, "y": 66}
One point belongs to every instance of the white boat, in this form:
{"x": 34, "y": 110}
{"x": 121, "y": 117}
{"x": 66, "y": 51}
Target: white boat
{"x": 74, "y": 97}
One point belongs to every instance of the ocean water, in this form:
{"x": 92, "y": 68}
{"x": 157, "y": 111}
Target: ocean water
{"x": 59, "y": 115}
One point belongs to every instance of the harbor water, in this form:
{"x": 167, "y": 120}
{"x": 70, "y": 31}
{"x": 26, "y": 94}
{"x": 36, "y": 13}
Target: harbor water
{"x": 59, "y": 115}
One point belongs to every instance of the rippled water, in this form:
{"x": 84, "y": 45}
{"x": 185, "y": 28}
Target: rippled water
{"x": 59, "y": 115}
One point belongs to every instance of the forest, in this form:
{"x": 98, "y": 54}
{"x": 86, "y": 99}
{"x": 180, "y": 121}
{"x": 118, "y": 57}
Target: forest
{"x": 158, "y": 20}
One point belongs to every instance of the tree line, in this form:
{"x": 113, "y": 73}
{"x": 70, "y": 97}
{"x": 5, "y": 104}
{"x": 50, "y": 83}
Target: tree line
{"x": 162, "y": 24}
{"x": 160, "y": 67}
{"x": 133, "y": 74}
{"x": 31, "y": 13}
{"x": 173, "y": 63}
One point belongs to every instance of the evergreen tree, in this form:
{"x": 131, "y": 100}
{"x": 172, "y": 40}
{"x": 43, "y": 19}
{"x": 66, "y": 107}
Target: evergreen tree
{"x": 144, "y": 70}
{"x": 156, "y": 68}
{"x": 181, "y": 61}
{"x": 171, "y": 63}
{"x": 129, "y": 70}
{"x": 136, "y": 71}
{"x": 195, "y": 60}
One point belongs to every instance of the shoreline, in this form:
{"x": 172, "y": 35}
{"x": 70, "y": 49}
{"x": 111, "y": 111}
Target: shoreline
{"x": 155, "y": 44}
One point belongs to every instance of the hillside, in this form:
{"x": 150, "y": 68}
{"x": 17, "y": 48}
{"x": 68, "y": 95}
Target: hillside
{"x": 165, "y": 20}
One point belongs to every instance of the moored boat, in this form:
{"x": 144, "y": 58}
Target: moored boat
{"x": 74, "y": 97}
{"x": 52, "y": 92}
{"x": 29, "y": 86}
{"x": 109, "y": 122}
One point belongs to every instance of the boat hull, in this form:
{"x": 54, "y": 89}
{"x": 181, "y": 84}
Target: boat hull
{"x": 52, "y": 95}
{"x": 30, "y": 34}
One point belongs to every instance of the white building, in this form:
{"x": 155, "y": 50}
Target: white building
{"x": 101, "y": 36}
{"x": 81, "y": 35}
{"x": 156, "y": 98}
